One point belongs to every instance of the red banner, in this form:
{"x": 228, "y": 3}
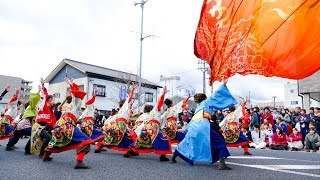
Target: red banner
{"x": 267, "y": 37}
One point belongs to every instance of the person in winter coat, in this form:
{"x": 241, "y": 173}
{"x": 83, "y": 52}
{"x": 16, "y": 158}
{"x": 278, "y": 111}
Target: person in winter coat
{"x": 285, "y": 115}
{"x": 258, "y": 138}
{"x": 279, "y": 140}
{"x": 303, "y": 123}
{"x": 282, "y": 124}
{"x": 254, "y": 119}
{"x": 295, "y": 140}
{"x": 312, "y": 141}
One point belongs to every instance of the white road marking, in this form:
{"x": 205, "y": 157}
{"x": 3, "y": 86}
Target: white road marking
{"x": 267, "y": 157}
{"x": 295, "y": 166}
{"x": 300, "y": 160}
{"x": 252, "y": 157}
{"x": 273, "y": 168}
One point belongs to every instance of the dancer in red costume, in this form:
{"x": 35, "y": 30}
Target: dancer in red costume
{"x": 169, "y": 119}
{"x": 148, "y": 136}
{"x": 87, "y": 121}
{"x": 116, "y": 128}
{"x": 66, "y": 136}
{"x": 231, "y": 129}
{"x": 11, "y": 112}
{"x": 41, "y": 130}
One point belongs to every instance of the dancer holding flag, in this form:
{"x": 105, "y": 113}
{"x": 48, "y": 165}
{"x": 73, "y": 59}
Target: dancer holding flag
{"x": 230, "y": 127}
{"x": 87, "y": 119}
{"x": 202, "y": 143}
{"x": 116, "y": 128}
{"x": 65, "y": 135}
{"x": 11, "y": 112}
{"x": 169, "y": 119}
{"x": 148, "y": 136}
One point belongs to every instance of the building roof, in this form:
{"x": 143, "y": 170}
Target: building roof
{"x": 97, "y": 70}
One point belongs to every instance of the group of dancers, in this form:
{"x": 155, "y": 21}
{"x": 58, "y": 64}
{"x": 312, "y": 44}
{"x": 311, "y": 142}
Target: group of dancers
{"x": 202, "y": 140}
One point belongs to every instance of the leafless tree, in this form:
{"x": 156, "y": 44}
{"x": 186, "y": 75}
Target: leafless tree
{"x": 124, "y": 81}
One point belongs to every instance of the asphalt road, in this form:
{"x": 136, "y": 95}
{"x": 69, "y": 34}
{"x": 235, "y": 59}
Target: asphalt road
{"x": 265, "y": 164}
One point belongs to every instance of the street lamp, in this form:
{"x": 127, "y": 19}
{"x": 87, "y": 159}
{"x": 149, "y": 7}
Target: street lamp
{"x": 142, "y": 3}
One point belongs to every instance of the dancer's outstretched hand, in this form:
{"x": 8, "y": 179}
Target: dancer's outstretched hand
{"x": 17, "y": 92}
{"x": 8, "y": 87}
{"x": 165, "y": 90}
{"x": 41, "y": 81}
{"x": 134, "y": 86}
{"x": 68, "y": 81}
{"x": 225, "y": 81}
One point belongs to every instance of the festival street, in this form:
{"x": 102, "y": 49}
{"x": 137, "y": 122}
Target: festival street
{"x": 150, "y": 89}
{"x": 264, "y": 164}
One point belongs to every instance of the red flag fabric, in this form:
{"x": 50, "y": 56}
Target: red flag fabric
{"x": 267, "y": 37}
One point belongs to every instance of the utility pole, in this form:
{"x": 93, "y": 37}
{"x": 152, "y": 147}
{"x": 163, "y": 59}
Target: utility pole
{"x": 274, "y": 101}
{"x": 203, "y": 66}
{"x": 142, "y": 3}
{"x": 249, "y": 100}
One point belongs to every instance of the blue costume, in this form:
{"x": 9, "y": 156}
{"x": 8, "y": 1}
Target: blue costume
{"x": 202, "y": 143}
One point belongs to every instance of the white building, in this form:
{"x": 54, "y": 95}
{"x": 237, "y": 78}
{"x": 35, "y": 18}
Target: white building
{"x": 309, "y": 88}
{"x": 184, "y": 91}
{"x": 15, "y": 83}
{"x": 177, "y": 91}
{"x": 113, "y": 85}
{"x": 175, "y": 88}
{"x": 292, "y": 98}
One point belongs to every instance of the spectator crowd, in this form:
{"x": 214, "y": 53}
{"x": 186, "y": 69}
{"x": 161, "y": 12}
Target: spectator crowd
{"x": 281, "y": 129}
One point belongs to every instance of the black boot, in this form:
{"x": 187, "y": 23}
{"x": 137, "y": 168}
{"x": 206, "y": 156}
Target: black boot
{"x": 81, "y": 165}
{"x": 132, "y": 153}
{"x": 163, "y": 158}
{"x": 9, "y": 148}
{"x": 47, "y": 159}
{"x": 174, "y": 158}
{"x": 127, "y": 154}
{"x": 223, "y": 165}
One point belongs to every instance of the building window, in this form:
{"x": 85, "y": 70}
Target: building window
{"x": 101, "y": 90}
{"x": 56, "y": 95}
{"x": 291, "y": 91}
{"x": 294, "y": 102}
{"x": 148, "y": 97}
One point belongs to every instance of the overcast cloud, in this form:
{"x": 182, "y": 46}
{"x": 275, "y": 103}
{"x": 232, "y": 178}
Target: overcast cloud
{"x": 40, "y": 33}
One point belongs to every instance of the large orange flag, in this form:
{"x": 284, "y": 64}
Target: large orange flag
{"x": 267, "y": 37}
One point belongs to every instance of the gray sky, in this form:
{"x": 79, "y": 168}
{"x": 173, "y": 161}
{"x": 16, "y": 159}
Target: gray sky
{"x": 40, "y": 33}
